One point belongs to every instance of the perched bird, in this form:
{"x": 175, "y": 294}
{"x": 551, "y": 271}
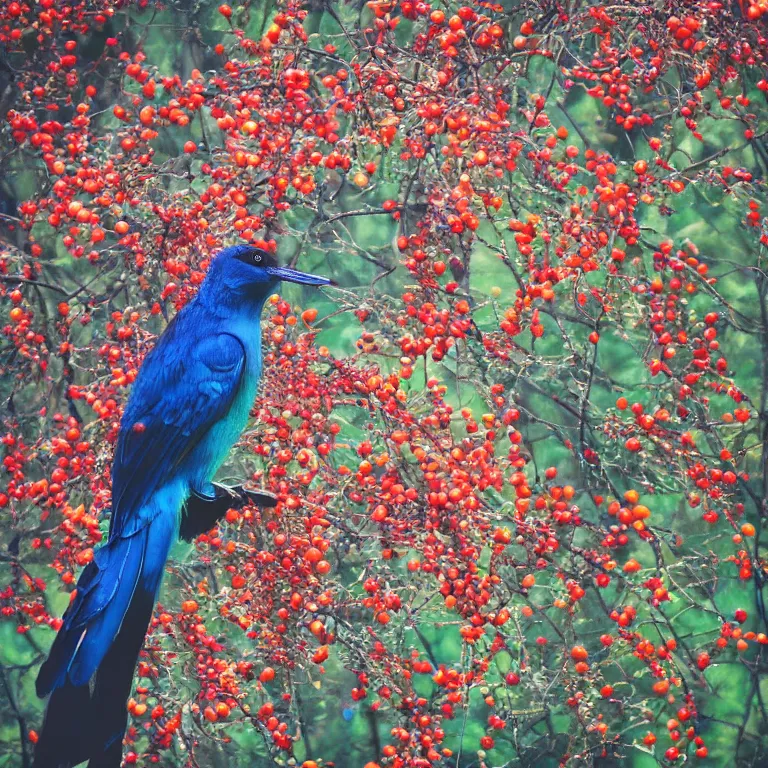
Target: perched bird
{"x": 188, "y": 406}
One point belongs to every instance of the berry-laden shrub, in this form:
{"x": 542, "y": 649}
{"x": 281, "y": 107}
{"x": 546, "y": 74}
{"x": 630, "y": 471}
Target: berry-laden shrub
{"x": 519, "y": 451}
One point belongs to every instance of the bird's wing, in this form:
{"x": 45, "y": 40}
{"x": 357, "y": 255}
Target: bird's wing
{"x": 184, "y": 388}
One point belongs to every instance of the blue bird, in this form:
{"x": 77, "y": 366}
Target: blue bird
{"x": 188, "y": 406}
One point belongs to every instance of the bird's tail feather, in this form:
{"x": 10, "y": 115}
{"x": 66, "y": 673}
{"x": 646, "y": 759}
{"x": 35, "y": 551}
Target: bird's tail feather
{"x": 63, "y": 740}
{"x": 113, "y": 682}
{"x": 93, "y": 618}
{"x": 90, "y": 667}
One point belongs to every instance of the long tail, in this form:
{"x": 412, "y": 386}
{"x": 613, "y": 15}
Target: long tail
{"x": 90, "y": 666}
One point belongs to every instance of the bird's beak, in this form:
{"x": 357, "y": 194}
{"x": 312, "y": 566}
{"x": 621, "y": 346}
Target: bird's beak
{"x": 294, "y": 276}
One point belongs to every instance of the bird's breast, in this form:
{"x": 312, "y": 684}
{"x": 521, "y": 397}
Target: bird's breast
{"x": 216, "y": 445}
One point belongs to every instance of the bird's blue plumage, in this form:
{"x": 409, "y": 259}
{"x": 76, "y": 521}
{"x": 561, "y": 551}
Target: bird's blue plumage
{"x": 188, "y": 406}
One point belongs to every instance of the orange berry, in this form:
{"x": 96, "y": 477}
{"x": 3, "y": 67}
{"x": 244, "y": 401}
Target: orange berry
{"x": 309, "y": 316}
{"x": 579, "y": 653}
{"x": 267, "y": 675}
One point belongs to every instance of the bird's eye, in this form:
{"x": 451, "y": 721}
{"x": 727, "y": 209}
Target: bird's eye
{"x": 256, "y": 258}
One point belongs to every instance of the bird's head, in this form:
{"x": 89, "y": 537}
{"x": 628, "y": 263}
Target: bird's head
{"x": 247, "y": 271}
